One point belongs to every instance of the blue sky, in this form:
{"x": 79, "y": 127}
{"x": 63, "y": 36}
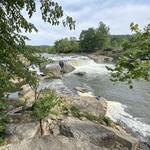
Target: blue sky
{"x": 117, "y": 14}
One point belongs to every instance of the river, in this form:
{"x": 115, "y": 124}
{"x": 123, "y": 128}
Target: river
{"x": 130, "y": 107}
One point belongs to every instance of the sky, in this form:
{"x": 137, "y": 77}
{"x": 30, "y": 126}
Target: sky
{"x": 117, "y": 14}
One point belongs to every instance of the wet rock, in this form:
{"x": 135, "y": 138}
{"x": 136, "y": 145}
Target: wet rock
{"x": 80, "y": 73}
{"x": 53, "y": 70}
{"x": 97, "y": 134}
{"x": 66, "y": 67}
{"x": 83, "y": 90}
{"x": 101, "y": 59}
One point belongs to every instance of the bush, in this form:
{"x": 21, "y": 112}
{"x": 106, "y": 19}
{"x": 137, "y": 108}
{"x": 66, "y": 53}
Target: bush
{"x": 43, "y": 106}
{"x": 107, "y": 120}
{"x": 3, "y": 120}
{"x": 75, "y": 111}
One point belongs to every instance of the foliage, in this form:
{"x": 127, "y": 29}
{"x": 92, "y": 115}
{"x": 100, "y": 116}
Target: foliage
{"x": 75, "y": 111}
{"x": 43, "y": 106}
{"x": 117, "y": 41}
{"x": 87, "y": 40}
{"x": 66, "y": 45}
{"x": 41, "y": 48}
{"x": 102, "y": 36}
{"x": 21, "y": 103}
{"x": 12, "y": 48}
{"x": 135, "y": 63}
{"x": 3, "y": 120}
{"x": 107, "y": 120}
{"x": 94, "y": 39}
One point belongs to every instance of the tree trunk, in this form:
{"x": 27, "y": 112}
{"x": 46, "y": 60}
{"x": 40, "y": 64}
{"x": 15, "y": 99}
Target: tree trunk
{"x": 41, "y": 127}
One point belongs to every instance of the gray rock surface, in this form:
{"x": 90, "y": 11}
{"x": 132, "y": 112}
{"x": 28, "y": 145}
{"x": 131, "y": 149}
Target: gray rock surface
{"x": 52, "y": 143}
{"x": 97, "y": 134}
{"x": 17, "y": 132}
{"x": 101, "y": 59}
{"x": 53, "y": 70}
{"x": 91, "y": 105}
{"x": 66, "y": 67}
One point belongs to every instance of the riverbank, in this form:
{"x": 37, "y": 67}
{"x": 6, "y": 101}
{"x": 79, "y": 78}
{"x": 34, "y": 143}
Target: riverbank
{"x": 82, "y": 121}
{"x": 94, "y": 77}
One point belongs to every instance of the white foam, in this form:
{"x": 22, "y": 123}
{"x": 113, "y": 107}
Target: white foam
{"x": 116, "y": 111}
{"x": 36, "y": 69}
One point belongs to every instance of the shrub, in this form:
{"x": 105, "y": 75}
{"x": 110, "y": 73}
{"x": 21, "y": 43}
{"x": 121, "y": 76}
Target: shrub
{"x": 107, "y": 120}
{"x": 75, "y": 111}
{"x": 3, "y": 120}
{"x": 43, "y": 106}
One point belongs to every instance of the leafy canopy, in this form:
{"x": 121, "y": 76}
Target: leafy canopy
{"x": 135, "y": 61}
{"x": 95, "y": 39}
{"x": 43, "y": 105}
{"x": 12, "y": 42}
{"x": 66, "y": 45}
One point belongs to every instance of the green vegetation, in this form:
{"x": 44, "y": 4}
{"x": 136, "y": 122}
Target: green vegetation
{"x": 134, "y": 63}
{"x": 66, "y": 45}
{"x": 41, "y": 48}
{"x": 91, "y": 40}
{"x": 108, "y": 121}
{"x": 13, "y": 52}
{"x": 42, "y": 106}
{"x": 76, "y": 112}
{"x": 3, "y": 120}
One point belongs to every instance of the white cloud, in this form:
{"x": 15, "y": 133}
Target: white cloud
{"x": 88, "y": 13}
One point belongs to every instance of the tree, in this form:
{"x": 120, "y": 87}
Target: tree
{"x": 12, "y": 42}
{"x": 102, "y": 36}
{"x": 87, "y": 40}
{"x": 43, "y": 106}
{"x": 135, "y": 61}
{"x": 117, "y": 41}
{"x": 12, "y": 47}
{"x": 66, "y": 45}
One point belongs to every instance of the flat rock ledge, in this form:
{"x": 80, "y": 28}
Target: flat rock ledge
{"x": 52, "y": 143}
{"x": 99, "y": 135}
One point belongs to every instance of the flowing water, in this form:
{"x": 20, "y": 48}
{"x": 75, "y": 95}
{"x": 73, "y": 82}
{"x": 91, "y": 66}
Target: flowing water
{"x": 128, "y": 106}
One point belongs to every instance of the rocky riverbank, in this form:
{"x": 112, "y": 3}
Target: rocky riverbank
{"x": 82, "y": 125}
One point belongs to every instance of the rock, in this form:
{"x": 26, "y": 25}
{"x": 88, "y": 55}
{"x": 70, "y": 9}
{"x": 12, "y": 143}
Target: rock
{"x": 26, "y": 93}
{"x": 80, "y": 73}
{"x": 98, "y": 134}
{"x": 24, "y": 89}
{"x": 66, "y": 67}
{"x": 53, "y": 70}
{"x": 101, "y": 59}
{"x": 91, "y": 105}
{"x": 52, "y": 143}
{"x": 17, "y": 132}
{"x": 83, "y": 90}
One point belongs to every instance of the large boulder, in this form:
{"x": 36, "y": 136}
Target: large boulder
{"x": 26, "y": 93}
{"x": 91, "y": 105}
{"x": 16, "y": 132}
{"x": 97, "y": 134}
{"x": 52, "y": 143}
{"x": 66, "y": 67}
{"x": 53, "y": 70}
{"x": 101, "y": 59}
{"x": 24, "y": 89}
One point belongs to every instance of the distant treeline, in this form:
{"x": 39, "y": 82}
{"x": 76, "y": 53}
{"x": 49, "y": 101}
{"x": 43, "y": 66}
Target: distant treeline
{"x": 90, "y": 40}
